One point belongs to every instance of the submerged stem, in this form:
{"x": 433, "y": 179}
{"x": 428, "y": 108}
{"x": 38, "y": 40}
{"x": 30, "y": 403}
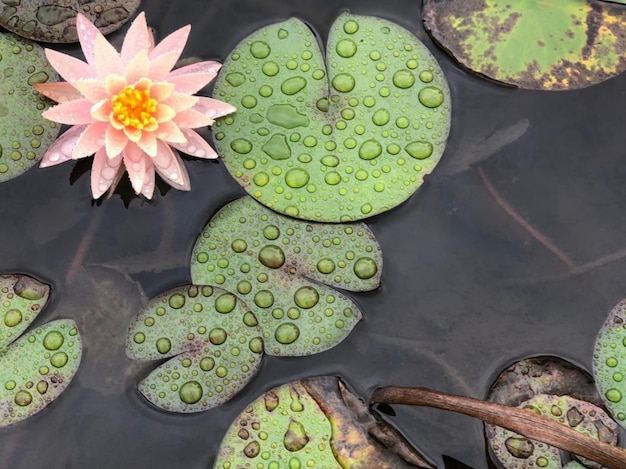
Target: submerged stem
{"x": 522, "y": 421}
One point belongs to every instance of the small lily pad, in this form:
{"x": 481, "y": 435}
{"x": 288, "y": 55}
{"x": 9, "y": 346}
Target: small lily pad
{"x": 25, "y": 134}
{"x": 516, "y": 451}
{"x": 556, "y": 45}
{"x": 279, "y": 266}
{"x": 37, "y": 368}
{"x": 609, "y": 362}
{"x": 214, "y": 341}
{"x": 335, "y": 141}
{"x": 55, "y": 20}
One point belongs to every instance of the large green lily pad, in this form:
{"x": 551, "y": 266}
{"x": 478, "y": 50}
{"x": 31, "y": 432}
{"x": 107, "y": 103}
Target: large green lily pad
{"x": 24, "y": 134}
{"x": 609, "y": 362}
{"x": 286, "y": 271}
{"x": 338, "y": 140}
{"x": 55, "y": 20}
{"x": 548, "y": 44}
{"x": 212, "y": 339}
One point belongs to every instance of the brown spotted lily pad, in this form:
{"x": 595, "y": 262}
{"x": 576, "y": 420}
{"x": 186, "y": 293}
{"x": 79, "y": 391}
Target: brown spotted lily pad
{"x": 55, "y": 20}
{"x": 315, "y": 422}
{"x": 545, "y": 45}
{"x": 338, "y": 139}
{"x": 24, "y": 134}
{"x": 37, "y": 367}
{"x": 287, "y": 270}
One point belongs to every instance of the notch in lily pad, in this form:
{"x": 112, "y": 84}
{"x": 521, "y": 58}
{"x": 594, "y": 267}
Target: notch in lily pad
{"x": 335, "y": 140}
{"x": 38, "y": 366}
{"x": 287, "y": 271}
{"x": 561, "y": 45}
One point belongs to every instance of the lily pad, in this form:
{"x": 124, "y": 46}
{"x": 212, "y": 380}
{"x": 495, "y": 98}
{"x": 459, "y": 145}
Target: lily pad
{"x": 315, "y": 422}
{"x": 214, "y": 341}
{"x": 25, "y": 134}
{"x": 548, "y": 45}
{"x": 335, "y": 141}
{"x": 609, "y": 362}
{"x": 516, "y": 451}
{"x": 279, "y": 266}
{"x": 55, "y": 20}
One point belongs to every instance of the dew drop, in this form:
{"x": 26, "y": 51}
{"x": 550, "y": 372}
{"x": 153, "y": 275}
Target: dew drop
{"x": 370, "y": 149}
{"x": 241, "y": 146}
{"x": 419, "y": 149}
{"x": 332, "y": 178}
{"x": 59, "y": 359}
{"x": 225, "y": 303}
{"x": 252, "y": 449}
{"x": 260, "y": 49}
{"x": 346, "y": 48}
{"x": 295, "y": 438}
{"x": 23, "y": 398}
{"x": 326, "y": 266}
{"x": 235, "y": 79}
{"x": 344, "y": 82}
{"x": 176, "y": 301}
{"x": 306, "y": 297}
{"x": 405, "y": 79}
{"x": 381, "y": 117}
{"x": 365, "y": 268}
{"x": 287, "y": 333}
{"x": 293, "y": 85}
{"x": 53, "y": 340}
{"x": 286, "y": 116}
{"x": 207, "y": 364}
{"x": 163, "y": 345}
{"x": 297, "y": 178}
{"x": 239, "y": 245}
{"x": 272, "y": 256}
{"x": 217, "y": 336}
{"x": 350, "y": 27}
{"x": 264, "y": 299}
{"x": 190, "y": 392}
{"x": 277, "y": 147}
{"x": 614, "y": 395}
{"x": 430, "y": 96}
{"x": 270, "y": 69}
{"x": 261, "y": 179}
{"x": 12, "y": 317}
{"x": 42, "y": 387}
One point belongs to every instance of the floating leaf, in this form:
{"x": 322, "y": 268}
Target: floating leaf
{"x": 214, "y": 341}
{"x": 274, "y": 263}
{"x": 314, "y": 422}
{"x": 55, "y": 20}
{"x": 22, "y": 299}
{"x": 37, "y": 368}
{"x": 519, "y": 452}
{"x": 338, "y": 141}
{"x": 25, "y": 133}
{"x": 549, "y": 45}
{"x": 609, "y": 362}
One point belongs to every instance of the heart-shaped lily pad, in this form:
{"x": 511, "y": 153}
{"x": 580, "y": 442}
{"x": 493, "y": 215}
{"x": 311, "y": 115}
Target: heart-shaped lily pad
{"x": 279, "y": 266}
{"x": 609, "y": 362}
{"x": 24, "y": 133}
{"x": 335, "y": 141}
{"x": 214, "y": 341}
{"x": 55, "y": 20}
{"x": 516, "y": 451}
{"x": 548, "y": 45}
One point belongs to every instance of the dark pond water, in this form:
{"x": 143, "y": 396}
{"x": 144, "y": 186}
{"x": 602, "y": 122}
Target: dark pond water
{"x": 466, "y": 289}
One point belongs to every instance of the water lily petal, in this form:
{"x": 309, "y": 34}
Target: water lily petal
{"x": 171, "y": 168}
{"x": 114, "y": 84}
{"x": 70, "y": 68}
{"x": 116, "y": 141}
{"x": 164, "y": 113}
{"x": 137, "y": 39}
{"x": 135, "y": 163}
{"x": 174, "y": 42}
{"x": 206, "y": 67}
{"x": 192, "y": 119}
{"x": 214, "y": 108}
{"x": 148, "y": 143}
{"x": 101, "y": 111}
{"x": 90, "y": 141}
{"x": 61, "y": 150}
{"x": 193, "y": 78}
{"x": 161, "y": 91}
{"x": 132, "y": 133}
{"x": 180, "y": 101}
{"x": 170, "y": 132}
{"x": 103, "y": 172}
{"x": 70, "y": 112}
{"x": 87, "y": 33}
{"x": 162, "y": 65}
{"x": 107, "y": 59}
{"x": 92, "y": 89}
{"x": 147, "y": 189}
{"x": 138, "y": 67}
{"x": 60, "y": 92}
{"x": 195, "y": 145}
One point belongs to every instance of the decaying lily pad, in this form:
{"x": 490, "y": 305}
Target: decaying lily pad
{"x": 335, "y": 141}
{"x": 315, "y": 422}
{"x": 214, "y": 341}
{"x": 24, "y": 133}
{"x": 549, "y": 45}
{"x": 516, "y": 451}
{"x": 279, "y": 266}
{"x": 55, "y": 20}
{"x": 609, "y": 362}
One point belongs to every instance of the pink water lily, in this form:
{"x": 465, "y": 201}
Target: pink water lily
{"x": 130, "y": 109}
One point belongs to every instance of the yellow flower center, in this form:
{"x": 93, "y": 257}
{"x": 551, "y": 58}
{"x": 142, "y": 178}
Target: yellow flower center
{"x": 134, "y": 108}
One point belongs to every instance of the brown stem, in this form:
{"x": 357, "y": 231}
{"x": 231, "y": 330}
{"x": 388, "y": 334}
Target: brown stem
{"x": 522, "y": 421}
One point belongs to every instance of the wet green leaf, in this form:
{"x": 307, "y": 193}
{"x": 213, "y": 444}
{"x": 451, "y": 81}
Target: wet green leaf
{"x": 25, "y": 134}
{"x": 55, "y": 20}
{"x": 214, "y": 341}
{"x": 549, "y": 45}
{"x": 315, "y": 422}
{"x": 609, "y": 362}
{"x": 335, "y": 141}
{"x": 22, "y": 299}
{"x": 516, "y": 451}
{"x": 279, "y": 266}
{"x": 37, "y": 368}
